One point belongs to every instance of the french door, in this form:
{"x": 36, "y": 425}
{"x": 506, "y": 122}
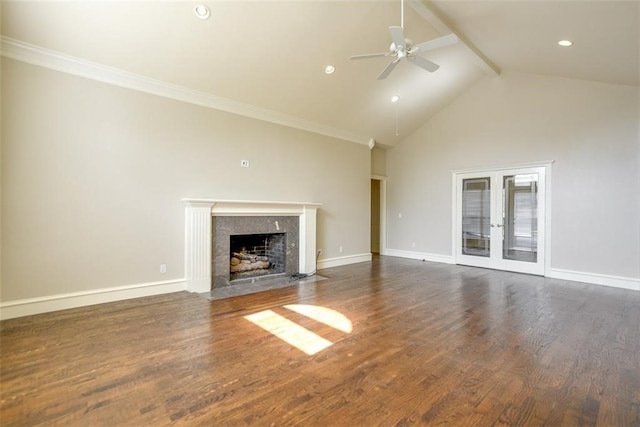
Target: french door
{"x": 500, "y": 219}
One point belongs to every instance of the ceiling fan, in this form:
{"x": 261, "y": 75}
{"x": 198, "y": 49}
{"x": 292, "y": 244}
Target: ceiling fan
{"x": 403, "y": 48}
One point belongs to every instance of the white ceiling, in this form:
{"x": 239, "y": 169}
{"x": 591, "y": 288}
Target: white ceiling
{"x": 272, "y": 54}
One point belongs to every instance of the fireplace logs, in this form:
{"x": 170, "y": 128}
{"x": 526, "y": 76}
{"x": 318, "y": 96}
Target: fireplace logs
{"x": 253, "y": 255}
{"x": 241, "y": 262}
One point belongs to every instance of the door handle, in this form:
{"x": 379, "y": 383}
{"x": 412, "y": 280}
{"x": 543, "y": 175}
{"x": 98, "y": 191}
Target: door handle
{"x": 499, "y": 225}
{"x": 496, "y": 225}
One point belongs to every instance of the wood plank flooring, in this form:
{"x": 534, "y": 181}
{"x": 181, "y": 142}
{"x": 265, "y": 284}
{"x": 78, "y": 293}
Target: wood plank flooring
{"x": 431, "y": 344}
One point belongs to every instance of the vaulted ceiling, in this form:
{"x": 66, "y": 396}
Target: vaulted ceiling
{"x": 271, "y": 55}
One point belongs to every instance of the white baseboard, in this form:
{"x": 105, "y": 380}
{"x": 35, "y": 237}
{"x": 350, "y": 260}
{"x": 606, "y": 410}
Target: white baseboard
{"x": 555, "y": 273}
{"x": 422, "y": 256}
{"x": 343, "y": 260}
{"x": 27, "y": 307}
{"x": 596, "y": 279}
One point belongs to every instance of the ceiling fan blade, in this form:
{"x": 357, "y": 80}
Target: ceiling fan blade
{"x": 397, "y": 36}
{"x": 371, "y": 55}
{"x": 423, "y": 63}
{"x": 388, "y": 69}
{"x": 435, "y": 43}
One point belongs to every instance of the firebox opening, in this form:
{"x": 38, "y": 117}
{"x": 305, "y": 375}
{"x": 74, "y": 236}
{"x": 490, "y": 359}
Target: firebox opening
{"x": 255, "y": 255}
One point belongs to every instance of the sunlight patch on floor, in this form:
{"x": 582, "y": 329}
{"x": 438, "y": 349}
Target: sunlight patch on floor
{"x": 329, "y": 317}
{"x": 296, "y": 335}
{"x": 289, "y": 332}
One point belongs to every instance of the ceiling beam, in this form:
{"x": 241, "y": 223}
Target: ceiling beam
{"x": 428, "y": 12}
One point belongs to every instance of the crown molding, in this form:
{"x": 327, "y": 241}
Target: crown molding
{"x": 36, "y": 55}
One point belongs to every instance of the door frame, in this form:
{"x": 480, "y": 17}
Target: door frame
{"x": 455, "y": 227}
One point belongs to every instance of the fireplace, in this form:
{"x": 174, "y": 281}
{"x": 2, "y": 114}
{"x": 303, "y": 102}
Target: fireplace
{"x": 207, "y": 258}
{"x": 247, "y": 247}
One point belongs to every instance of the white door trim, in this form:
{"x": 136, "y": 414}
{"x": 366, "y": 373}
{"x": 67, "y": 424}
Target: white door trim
{"x": 541, "y": 164}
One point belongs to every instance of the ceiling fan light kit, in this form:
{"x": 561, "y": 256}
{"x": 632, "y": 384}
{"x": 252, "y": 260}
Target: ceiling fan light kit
{"x": 403, "y": 48}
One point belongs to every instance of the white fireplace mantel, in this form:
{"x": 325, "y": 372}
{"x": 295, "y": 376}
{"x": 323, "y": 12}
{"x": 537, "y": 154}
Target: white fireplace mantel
{"x": 198, "y": 213}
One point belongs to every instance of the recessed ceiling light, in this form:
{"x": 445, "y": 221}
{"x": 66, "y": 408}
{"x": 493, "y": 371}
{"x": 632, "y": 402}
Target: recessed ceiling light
{"x": 395, "y": 98}
{"x": 565, "y": 43}
{"x": 202, "y": 11}
{"x": 330, "y": 69}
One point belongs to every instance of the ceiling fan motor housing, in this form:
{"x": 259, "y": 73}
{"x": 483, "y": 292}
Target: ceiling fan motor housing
{"x": 407, "y": 46}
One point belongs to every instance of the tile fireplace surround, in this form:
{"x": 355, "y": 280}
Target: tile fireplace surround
{"x": 198, "y": 223}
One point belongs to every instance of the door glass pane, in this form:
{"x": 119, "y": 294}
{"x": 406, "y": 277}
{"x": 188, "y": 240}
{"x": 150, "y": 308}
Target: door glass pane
{"x": 476, "y": 212}
{"x": 520, "y": 218}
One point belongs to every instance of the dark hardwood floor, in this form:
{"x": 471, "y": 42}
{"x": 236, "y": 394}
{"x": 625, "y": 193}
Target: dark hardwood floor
{"x": 430, "y": 344}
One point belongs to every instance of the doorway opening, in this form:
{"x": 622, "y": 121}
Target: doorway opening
{"x": 378, "y": 217}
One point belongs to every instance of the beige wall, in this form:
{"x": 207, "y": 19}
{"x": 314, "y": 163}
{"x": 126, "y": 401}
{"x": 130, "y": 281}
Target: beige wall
{"x": 379, "y": 161}
{"x": 93, "y": 176}
{"x": 590, "y": 130}
{"x": 1, "y": 173}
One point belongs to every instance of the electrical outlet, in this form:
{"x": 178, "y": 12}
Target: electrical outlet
{"x": 163, "y": 268}
{"x": 244, "y": 163}
{"x": 340, "y": 249}
{"x": 319, "y": 251}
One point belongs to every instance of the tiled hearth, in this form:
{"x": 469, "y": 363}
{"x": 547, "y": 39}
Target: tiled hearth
{"x": 224, "y": 227}
{"x": 200, "y": 215}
